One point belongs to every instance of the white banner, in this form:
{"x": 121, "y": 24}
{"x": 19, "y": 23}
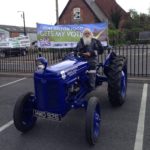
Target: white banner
{"x": 16, "y": 42}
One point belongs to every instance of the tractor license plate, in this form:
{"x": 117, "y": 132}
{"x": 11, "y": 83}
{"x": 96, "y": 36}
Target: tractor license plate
{"x": 47, "y": 115}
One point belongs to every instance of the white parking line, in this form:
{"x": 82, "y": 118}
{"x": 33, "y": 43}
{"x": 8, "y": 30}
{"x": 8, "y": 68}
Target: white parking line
{"x": 6, "y": 125}
{"x": 140, "y": 128}
{"x": 12, "y": 82}
{"x": 2, "y": 128}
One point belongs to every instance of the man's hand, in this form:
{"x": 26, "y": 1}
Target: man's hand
{"x": 87, "y": 54}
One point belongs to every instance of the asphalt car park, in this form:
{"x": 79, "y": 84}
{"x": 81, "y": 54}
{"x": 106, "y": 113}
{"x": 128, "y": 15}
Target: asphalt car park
{"x": 122, "y": 128}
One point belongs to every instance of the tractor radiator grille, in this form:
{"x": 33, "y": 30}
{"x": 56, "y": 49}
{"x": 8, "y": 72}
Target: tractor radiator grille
{"x": 53, "y": 94}
{"x": 48, "y": 94}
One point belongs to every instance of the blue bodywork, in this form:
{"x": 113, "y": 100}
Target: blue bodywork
{"x": 52, "y": 86}
{"x": 63, "y": 86}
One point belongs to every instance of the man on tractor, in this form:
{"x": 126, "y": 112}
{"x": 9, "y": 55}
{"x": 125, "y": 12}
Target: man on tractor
{"x": 89, "y": 47}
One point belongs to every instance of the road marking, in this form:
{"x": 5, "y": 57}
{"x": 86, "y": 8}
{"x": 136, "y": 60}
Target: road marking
{"x": 12, "y": 82}
{"x": 6, "y": 125}
{"x": 140, "y": 128}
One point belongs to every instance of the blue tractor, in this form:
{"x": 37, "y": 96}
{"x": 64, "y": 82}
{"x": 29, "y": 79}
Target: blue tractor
{"x": 64, "y": 86}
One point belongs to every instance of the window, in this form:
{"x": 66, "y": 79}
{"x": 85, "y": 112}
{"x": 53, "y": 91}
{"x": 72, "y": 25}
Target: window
{"x": 76, "y": 14}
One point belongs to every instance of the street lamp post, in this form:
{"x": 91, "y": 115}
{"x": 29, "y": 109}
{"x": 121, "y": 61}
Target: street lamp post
{"x": 23, "y": 16}
{"x": 57, "y": 13}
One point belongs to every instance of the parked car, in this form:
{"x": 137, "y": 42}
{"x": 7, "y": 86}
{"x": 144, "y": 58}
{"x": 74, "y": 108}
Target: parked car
{"x": 5, "y": 52}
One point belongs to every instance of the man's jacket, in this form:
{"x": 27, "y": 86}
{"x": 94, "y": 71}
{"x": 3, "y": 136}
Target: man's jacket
{"x": 94, "y": 48}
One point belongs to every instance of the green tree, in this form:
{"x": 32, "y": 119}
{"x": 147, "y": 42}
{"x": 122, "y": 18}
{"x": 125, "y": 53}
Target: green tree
{"x": 140, "y": 21}
{"x": 135, "y": 24}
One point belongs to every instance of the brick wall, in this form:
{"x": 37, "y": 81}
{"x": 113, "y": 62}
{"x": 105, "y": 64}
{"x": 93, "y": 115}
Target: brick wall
{"x": 87, "y": 15}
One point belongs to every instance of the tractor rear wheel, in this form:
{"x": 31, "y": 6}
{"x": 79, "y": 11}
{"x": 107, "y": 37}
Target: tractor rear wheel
{"x": 117, "y": 80}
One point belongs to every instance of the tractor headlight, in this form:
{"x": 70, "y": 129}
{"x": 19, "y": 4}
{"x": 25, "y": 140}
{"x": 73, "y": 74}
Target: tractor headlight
{"x": 41, "y": 63}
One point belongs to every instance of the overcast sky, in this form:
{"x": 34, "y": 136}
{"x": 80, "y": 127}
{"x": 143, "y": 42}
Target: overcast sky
{"x": 44, "y": 11}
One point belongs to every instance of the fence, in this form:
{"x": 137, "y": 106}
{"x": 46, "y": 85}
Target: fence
{"x": 138, "y": 57}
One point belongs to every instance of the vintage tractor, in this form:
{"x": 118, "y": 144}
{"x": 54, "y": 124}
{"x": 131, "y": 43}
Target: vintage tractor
{"x": 64, "y": 86}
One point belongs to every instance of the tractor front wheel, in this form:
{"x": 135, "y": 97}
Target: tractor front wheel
{"x": 93, "y": 120}
{"x": 23, "y": 117}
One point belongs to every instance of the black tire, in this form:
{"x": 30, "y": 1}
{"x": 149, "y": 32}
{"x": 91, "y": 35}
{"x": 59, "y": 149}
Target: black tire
{"x": 24, "y": 53}
{"x": 117, "y": 80}
{"x": 93, "y": 120}
{"x": 23, "y": 113}
{"x": 2, "y": 54}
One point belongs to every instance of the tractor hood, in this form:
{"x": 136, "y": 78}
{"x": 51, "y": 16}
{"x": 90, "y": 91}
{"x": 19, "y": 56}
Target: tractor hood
{"x": 67, "y": 64}
{"x": 65, "y": 68}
